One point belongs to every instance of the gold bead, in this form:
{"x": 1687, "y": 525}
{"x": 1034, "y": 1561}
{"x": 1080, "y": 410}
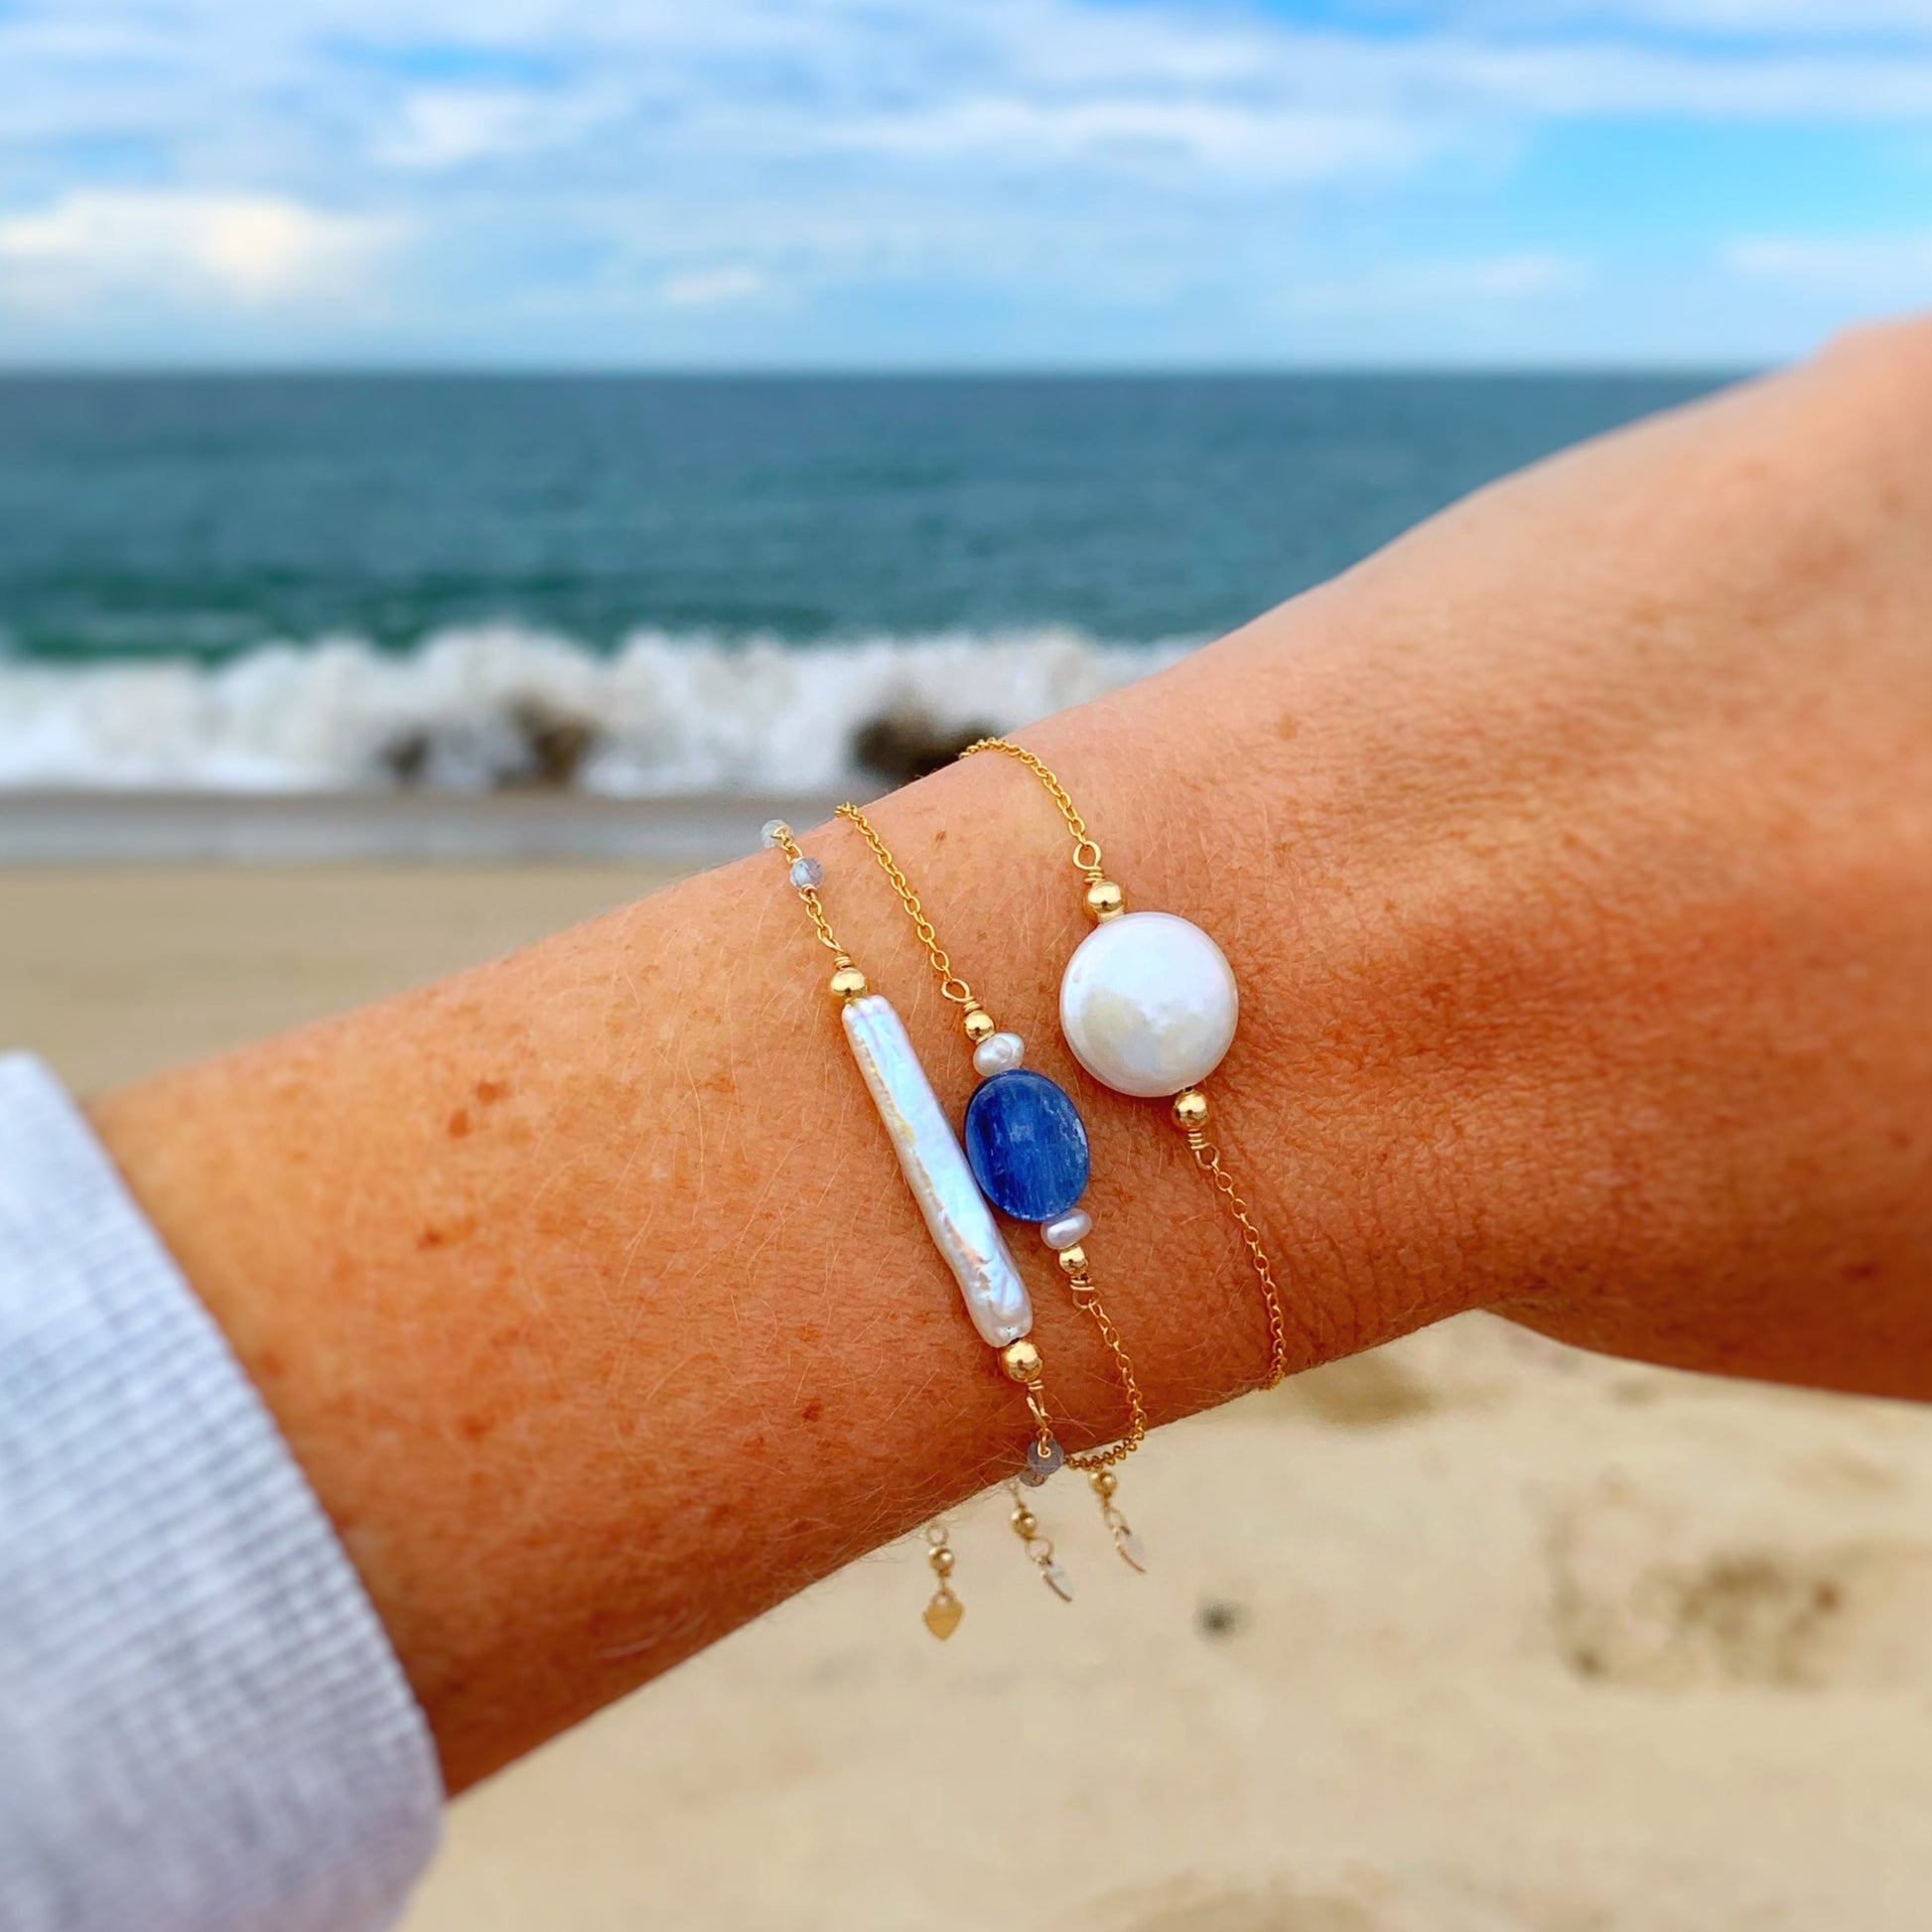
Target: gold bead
{"x": 1024, "y": 1523}
{"x": 1105, "y": 1482}
{"x": 980, "y": 1025}
{"x": 1073, "y": 1259}
{"x": 1021, "y": 1361}
{"x": 943, "y": 1561}
{"x": 848, "y": 983}
{"x": 1191, "y": 1108}
{"x": 1105, "y": 899}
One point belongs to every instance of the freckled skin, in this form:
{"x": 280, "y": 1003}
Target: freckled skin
{"x": 1574, "y": 857}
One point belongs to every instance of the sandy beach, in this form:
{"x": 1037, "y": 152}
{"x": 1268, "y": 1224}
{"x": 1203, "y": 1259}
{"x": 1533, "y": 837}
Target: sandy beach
{"x": 1473, "y": 1636}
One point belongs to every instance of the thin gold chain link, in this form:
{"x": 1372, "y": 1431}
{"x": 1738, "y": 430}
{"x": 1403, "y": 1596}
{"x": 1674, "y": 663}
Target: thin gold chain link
{"x": 950, "y": 984}
{"x": 1086, "y": 848}
{"x": 1087, "y": 1297}
{"x": 1207, "y": 1157}
{"x": 780, "y": 836}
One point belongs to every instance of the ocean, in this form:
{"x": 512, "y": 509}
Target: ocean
{"x": 657, "y": 585}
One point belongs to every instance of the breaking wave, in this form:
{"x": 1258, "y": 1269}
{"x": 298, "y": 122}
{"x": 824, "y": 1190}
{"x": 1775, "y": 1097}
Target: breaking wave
{"x": 489, "y": 707}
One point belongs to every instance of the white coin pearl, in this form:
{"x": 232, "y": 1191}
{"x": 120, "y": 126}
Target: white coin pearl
{"x": 1149, "y": 1004}
{"x": 997, "y": 1053}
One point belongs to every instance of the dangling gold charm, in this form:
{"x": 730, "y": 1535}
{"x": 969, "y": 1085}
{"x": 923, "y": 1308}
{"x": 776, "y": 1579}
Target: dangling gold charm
{"x": 942, "y": 1615}
{"x": 1040, "y": 1549}
{"x": 1131, "y": 1554}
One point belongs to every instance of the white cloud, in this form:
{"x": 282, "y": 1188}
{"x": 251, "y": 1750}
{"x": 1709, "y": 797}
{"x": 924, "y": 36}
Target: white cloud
{"x": 1398, "y": 286}
{"x": 1139, "y": 132}
{"x": 1863, "y": 271}
{"x": 709, "y": 288}
{"x": 454, "y": 127}
{"x": 552, "y": 159}
{"x": 1070, "y": 81}
{"x": 449, "y": 127}
{"x": 1557, "y": 80}
{"x": 250, "y": 250}
{"x": 1825, "y": 19}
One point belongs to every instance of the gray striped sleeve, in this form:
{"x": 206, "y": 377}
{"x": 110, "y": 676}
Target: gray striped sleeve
{"x": 203, "y": 1727}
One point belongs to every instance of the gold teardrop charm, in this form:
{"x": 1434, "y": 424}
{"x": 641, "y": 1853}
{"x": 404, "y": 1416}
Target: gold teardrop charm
{"x": 942, "y": 1615}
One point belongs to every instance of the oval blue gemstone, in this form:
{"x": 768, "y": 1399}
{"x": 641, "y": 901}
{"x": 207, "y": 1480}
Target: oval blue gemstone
{"x": 1027, "y": 1145}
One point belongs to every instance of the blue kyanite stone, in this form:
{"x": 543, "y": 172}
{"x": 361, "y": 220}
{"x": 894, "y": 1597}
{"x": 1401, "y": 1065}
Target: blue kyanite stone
{"x": 1027, "y": 1145}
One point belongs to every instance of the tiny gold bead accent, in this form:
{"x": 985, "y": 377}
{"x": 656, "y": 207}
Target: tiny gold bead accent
{"x": 1105, "y": 899}
{"x": 1073, "y": 1259}
{"x": 943, "y": 1561}
{"x": 1024, "y": 1523}
{"x": 848, "y": 983}
{"x": 1105, "y": 1482}
{"x": 980, "y": 1024}
{"x": 1021, "y": 1361}
{"x": 1191, "y": 1108}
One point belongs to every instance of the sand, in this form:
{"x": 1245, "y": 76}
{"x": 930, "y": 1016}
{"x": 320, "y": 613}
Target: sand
{"x": 1474, "y": 1634}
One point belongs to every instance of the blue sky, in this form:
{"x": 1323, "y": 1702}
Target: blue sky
{"x": 958, "y": 183}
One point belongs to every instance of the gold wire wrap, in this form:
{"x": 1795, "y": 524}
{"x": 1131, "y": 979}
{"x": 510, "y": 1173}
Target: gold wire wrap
{"x": 1087, "y": 1297}
{"x": 1207, "y": 1157}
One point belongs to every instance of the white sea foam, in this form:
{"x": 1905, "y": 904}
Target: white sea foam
{"x": 665, "y": 715}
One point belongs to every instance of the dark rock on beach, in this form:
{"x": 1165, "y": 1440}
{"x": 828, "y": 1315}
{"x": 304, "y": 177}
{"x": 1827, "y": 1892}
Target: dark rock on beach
{"x": 902, "y": 745}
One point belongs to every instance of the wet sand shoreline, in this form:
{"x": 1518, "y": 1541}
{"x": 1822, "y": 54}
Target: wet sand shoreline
{"x": 42, "y": 828}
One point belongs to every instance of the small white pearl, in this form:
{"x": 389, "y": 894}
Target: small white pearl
{"x": 1149, "y": 1004}
{"x": 1068, "y": 1231}
{"x": 997, "y": 1053}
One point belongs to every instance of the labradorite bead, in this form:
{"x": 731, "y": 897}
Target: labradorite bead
{"x": 1027, "y": 1145}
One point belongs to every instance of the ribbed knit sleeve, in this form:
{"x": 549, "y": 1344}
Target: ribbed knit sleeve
{"x": 203, "y": 1727}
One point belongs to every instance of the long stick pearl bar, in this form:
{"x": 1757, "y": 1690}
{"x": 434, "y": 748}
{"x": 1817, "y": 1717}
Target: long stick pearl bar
{"x": 934, "y": 1165}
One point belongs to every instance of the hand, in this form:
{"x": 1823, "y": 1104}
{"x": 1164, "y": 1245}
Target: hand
{"x": 1582, "y": 847}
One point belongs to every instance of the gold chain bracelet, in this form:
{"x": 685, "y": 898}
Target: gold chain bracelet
{"x": 1148, "y": 1005}
{"x": 1040, "y": 1106}
{"x": 962, "y": 1225}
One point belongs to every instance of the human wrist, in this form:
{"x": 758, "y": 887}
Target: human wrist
{"x": 579, "y": 1287}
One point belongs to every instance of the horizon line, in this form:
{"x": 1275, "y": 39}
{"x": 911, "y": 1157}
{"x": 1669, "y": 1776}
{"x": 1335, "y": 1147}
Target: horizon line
{"x": 885, "y": 371}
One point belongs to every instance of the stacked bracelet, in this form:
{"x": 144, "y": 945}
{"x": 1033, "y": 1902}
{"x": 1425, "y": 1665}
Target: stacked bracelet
{"x": 1028, "y": 1147}
{"x": 962, "y": 1225}
{"x": 1148, "y": 1005}
{"x": 1149, "y": 1008}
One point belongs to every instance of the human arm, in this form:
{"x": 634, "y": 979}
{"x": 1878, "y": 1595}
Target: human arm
{"x": 1571, "y": 856}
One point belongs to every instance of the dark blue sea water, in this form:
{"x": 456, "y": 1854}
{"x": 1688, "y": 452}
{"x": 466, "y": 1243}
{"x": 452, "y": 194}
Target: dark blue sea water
{"x": 428, "y": 536}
